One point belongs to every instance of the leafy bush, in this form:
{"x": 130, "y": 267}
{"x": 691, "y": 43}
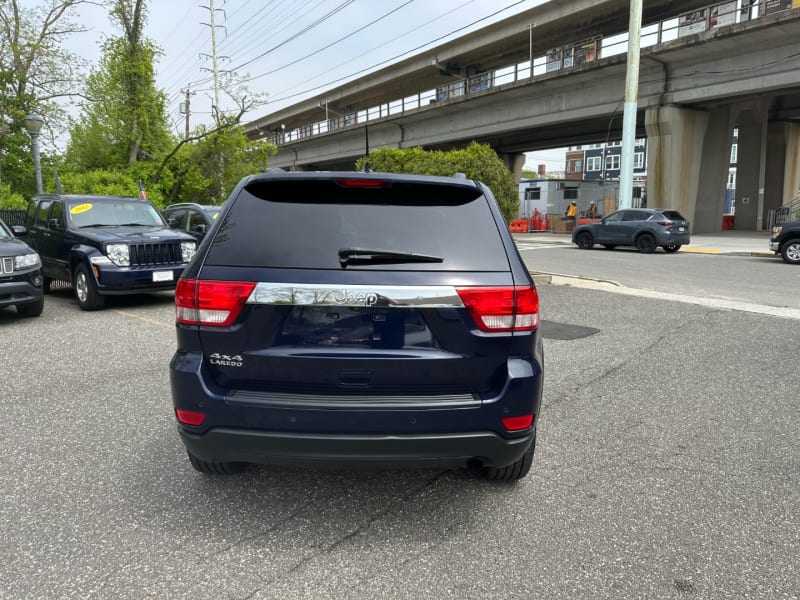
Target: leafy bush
{"x": 11, "y": 200}
{"x": 477, "y": 161}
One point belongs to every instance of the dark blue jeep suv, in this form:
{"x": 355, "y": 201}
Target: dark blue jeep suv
{"x": 364, "y": 318}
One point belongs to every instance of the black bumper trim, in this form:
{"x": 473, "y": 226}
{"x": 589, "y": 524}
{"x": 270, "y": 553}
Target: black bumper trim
{"x": 447, "y": 450}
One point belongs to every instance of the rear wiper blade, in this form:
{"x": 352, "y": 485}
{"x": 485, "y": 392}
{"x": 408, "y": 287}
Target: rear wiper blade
{"x": 363, "y": 256}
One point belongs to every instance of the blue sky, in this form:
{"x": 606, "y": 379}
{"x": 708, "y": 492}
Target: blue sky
{"x": 290, "y": 49}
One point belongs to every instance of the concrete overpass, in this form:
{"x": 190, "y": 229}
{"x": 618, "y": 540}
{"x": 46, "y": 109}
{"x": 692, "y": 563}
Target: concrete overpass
{"x": 693, "y": 91}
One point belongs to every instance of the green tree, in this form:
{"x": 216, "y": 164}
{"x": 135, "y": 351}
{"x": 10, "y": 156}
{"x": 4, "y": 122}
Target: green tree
{"x": 123, "y": 119}
{"x": 35, "y": 71}
{"x": 477, "y": 161}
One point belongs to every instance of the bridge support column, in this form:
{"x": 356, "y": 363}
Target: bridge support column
{"x": 714, "y": 169}
{"x": 751, "y": 164}
{"x": 514, "y": 161}
{"x": 791, "y": 176}
{"x": 675, "y": 143}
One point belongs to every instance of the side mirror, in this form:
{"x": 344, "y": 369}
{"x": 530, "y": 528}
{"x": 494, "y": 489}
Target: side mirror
{"x": 199, "y": 228}
{"x": 19, "y": 230}
{"x": 172, "y": 222}
{"x": 55, "y": 224}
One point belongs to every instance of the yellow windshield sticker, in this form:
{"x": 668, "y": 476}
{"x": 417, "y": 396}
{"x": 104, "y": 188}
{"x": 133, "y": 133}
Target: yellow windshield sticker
{"x": 76, "y": 210}
{"x": 216, "y": 214}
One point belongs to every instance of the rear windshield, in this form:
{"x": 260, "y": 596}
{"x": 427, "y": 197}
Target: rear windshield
{"x": 673, "y": 215}
{"x": 305, "y": 224}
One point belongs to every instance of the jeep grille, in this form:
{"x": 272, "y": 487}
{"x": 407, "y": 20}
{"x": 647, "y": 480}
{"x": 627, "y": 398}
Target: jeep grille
{"x": 155, "y": 254}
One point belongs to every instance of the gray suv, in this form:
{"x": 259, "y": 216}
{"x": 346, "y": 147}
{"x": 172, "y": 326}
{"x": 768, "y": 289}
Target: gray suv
{"x": 644, "y": 228}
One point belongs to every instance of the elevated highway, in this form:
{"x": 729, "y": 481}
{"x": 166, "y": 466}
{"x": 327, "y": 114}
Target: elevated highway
{"x": 694, "y": 89}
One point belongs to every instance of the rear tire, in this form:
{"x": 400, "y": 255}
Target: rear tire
{"x": 31, "y": 309}
{"x": 646, "y": 243}
{"x": 670, "y": 248}
{"x": 86, "y": 290}
{"x": 214, "y": 468}
{"x": 791, "y": 252}
{"x": 514, "y": 471}
{"x": 584, "y": 240}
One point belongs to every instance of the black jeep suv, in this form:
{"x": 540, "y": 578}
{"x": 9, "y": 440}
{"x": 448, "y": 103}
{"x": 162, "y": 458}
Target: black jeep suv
{"x": 358, "y": 318}
{"x": 20, "y": 273}
{"x": 105, "y": 245}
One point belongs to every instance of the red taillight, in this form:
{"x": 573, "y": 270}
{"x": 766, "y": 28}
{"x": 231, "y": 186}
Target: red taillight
{"x": 211, "y": 303}
{"x": 502, "y": 309}
{"x": 666, "y": 223}
{"x": 362, "y": 183}
{"x": 189, "y": 417}
{"x": 518, "y": 423}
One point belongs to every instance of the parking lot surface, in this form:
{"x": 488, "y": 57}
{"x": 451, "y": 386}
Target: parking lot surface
{"x": 667, "y": 466}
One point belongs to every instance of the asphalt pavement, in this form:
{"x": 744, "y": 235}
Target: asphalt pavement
{"x": 732, "y": 242}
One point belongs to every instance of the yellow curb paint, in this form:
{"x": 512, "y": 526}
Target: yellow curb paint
{"x": 701, "y": 250}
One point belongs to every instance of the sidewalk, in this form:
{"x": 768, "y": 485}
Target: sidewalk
{"x": 737, "y": 243}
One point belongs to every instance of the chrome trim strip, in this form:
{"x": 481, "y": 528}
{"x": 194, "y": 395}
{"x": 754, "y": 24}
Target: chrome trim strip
{"x": 387, "y": 296}
{"x": 306, "y": 401}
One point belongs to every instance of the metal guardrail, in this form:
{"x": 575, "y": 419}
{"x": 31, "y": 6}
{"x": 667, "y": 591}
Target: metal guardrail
{"x": 575, "y": 54}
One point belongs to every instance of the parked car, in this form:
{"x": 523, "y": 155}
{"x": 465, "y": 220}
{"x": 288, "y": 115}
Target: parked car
{"x": 194, "y": 219}
{"x": 785, "y": 240}
{"x": 351, "y": 318}
{"x": 644, "y": 228}
{"x": 105, "y": 245}
{"x": 20, "y": 273}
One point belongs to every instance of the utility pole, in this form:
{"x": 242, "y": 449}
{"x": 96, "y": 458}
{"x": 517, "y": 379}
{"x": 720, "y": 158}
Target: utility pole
{"x": 185, "y": 109}
{"x": 215, "y": 70}
{"x": 631, "y": 104}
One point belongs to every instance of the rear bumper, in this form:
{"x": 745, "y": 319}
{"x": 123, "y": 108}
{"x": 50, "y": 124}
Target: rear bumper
{"x": 444, "y": 431}
{"x": 676, "y": 238}
{"x": 432, "y": 450}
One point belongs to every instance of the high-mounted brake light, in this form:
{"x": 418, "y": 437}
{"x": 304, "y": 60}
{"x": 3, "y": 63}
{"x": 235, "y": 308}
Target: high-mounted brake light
{"x": 210, "y": 303}
{"x": 502, "y": 309}
{"x": 362, "y": 183}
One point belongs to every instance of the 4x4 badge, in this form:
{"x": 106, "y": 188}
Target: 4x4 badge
{"x": 226, "y": 361}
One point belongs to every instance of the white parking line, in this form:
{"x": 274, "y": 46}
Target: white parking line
{"x": 719, "y": 303}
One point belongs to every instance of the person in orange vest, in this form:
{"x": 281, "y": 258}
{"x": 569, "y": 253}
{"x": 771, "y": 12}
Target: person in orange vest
{"x": 572, "y": 210}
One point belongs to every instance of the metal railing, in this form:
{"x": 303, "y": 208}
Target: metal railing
{"x": 787, "y": 212}
{"x": 571, "y": 56}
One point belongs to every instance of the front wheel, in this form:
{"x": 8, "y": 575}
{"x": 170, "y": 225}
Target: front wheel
{"x": 646, "y": 243}
{"x": 791, "y": 252}
{"x": 31, "y": 309}
{"x": 670, "y": 248}
{"x": 584, "y": 240}
{"x": 514, "y": 471}
{"x": 86, "y": 291}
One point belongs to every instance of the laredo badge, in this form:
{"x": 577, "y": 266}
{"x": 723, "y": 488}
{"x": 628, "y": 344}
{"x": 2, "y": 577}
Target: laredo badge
{"x": 224, "y": 360}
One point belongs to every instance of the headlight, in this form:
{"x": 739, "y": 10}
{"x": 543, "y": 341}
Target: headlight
{"x": 119, "y": 255}
{"x": 26, "y": 261}
{"x": 187, "y": 251}
{"x": 776, "y": 231}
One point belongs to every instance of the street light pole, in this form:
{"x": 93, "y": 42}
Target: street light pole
{"x": 631, "y": 102}
{"x": 33, "y": 123}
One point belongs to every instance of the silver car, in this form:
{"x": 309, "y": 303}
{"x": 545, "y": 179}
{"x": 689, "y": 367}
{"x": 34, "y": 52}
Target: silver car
{"x": 644, "y": 228}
